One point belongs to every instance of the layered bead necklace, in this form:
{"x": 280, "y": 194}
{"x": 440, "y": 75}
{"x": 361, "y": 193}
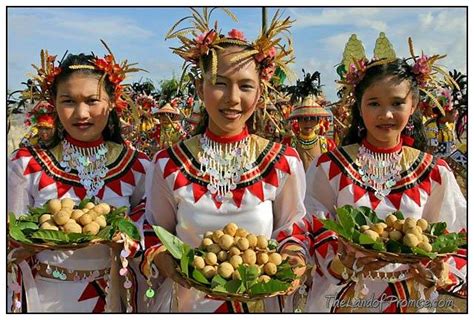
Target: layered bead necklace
{"x": 307, "y": 142}
{"x": 89, "y": 160}
{"x": 224, "y": 160}
{"x": 379, "y": 170}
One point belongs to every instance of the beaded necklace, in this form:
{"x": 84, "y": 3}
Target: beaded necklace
{"x": 379, "y": 170}
{"x": 89, "y": 162}
{"x": 224, "y": 163}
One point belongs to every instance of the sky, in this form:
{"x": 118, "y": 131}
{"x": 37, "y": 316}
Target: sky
{"x": 138, "y": 34}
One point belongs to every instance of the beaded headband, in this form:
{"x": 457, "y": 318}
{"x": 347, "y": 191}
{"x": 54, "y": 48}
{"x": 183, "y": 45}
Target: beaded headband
{"x": 271, "y": 56}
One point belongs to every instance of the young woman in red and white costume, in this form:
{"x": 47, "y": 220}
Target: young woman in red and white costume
{"x": 87, "y": 158}
{"x": 412, "y": 181}
{"x": 263, "y": 188}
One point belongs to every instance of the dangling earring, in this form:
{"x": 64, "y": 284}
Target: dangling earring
{"x": 360, "y": 129}
{"x": 409, "y": 127}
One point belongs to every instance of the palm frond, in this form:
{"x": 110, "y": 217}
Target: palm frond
{"x": 242, "y": 56}
{"x": 230, "y": 14}
{"x": 180, "y": 32}
{"x": 213, "y": 66}
{"x": 108, "y": 50}
{"x": 410, "y": 47}
{"x": 433, "y": 98}
{"x": 171, "y": 30}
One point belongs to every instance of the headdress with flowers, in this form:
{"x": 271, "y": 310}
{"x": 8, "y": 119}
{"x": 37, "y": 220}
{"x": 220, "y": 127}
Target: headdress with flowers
{"x": 115, "y": 73}
{"x": 267, "y": 50}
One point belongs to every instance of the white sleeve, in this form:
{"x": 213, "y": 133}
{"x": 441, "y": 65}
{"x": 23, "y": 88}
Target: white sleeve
{"x": 446, "y": 202}
{"x": 288, "y": 207}
{"x": 161, "y": 206}
{"x": 320, "y": 196}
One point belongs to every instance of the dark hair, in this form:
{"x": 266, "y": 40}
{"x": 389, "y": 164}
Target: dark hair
{"x": 402, "y": 71}
{"x": 112, "y": 131}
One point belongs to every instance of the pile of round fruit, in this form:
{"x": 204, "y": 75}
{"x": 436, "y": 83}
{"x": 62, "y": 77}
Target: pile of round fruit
{"x": 231, "y": 264}
{"x": 409, "y": 231}
{"x": 225, "y": 250}
{"x": 62, "y": 216}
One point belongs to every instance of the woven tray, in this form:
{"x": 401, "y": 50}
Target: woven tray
{"x": 407, "y": 258}
{"x": 54, "y": 246}
{"x": 241, "y": 297}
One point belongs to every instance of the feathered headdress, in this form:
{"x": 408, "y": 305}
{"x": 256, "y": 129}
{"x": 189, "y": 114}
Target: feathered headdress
{"x": 268, "y": 49}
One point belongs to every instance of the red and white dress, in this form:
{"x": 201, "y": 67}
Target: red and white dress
{"x": 268, "y": 200}
{"x": 35, "y": 176}
{"x": 427, "y": 189}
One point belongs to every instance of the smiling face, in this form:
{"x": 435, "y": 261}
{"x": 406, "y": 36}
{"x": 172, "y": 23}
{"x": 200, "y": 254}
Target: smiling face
{"x": 232, "y": 99}
{"x": 386, "y": 106}
{"x": 82, "y": 113}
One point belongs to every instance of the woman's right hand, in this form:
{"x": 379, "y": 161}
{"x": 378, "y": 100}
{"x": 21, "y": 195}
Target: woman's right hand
{"x": 166, "y": 265}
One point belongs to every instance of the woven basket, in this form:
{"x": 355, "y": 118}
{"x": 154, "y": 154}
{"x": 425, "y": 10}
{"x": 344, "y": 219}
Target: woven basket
{"x": 406, "y": 258}
{"x": 241, "y": 297}
{"x": 54, "y": 246}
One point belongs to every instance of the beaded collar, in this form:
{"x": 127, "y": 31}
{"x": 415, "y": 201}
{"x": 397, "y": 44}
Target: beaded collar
{"x": 88, "y": 159}
{"x": 379, "y": 167}
{"x": 225, "y": 159}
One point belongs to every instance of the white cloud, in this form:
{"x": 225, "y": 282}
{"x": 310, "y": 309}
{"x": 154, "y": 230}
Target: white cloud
{"x": 361, "y": 17}
{"x": 67, "y": 25}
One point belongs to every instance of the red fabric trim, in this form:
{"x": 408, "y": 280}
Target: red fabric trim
{"x": 32, "y": 167}
{"x": 228, "y": 139}
{"x": 395, "y": 198}
{"x": 44, "y": 181}
{"x": 198, "y": 191}
{"x": 374, "y": 201}
{"x": 373, "y": 148}
{"x": 257, "y": 190}
{"x": 62, "y": 188}
{"x": 237, "y": 196}
{"x": 84, "y": 144}
{"x": 180, "y": 181}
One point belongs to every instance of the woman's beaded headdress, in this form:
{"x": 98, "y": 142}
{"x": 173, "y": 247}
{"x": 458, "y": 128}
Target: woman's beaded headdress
{"x": 270, "y": 53}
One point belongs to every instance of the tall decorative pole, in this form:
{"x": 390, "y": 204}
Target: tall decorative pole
{"x": 264, "y": 19}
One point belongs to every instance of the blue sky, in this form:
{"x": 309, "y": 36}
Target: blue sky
{"x": 137, "y": 34}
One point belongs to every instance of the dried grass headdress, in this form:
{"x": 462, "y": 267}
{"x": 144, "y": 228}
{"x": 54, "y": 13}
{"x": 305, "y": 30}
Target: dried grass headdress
{"x": 268, "y": 49}
{"x": 429, "y": 75}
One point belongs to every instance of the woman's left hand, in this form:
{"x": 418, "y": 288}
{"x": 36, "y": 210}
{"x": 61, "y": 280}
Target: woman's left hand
{"x": 298, "y": 262}
{"x": 432, "y": 275}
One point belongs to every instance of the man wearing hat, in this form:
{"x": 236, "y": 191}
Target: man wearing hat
{"x": 41, "y": 119}
{"x": 305, "y": 137}
{"x": 170, "y": 131}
